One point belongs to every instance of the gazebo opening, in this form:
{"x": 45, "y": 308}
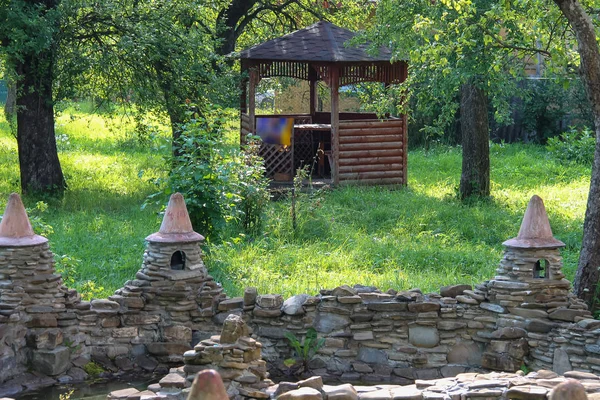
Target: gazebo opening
{"x": 340, "y": 146}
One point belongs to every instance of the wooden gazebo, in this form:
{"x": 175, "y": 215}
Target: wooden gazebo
{"x": 360, "y": 147}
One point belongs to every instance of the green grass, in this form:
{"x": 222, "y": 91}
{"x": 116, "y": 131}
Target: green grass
{"x": 99, "y": 221}
{"x": 415, "y": 237}
{"x": 420, "y": 236}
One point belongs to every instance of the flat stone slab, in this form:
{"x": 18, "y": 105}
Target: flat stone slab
{"x": 304, "y": 393}
{"x": 173, "y": 381}
{"x": 581, "y": 375}
{"x": 381, "y": 394}
{"x": 493, "y": 308}
{"x": 341, "y": 392}
{"x": 406, "y": 393}
{"x": 122, "y": 394}
{"x": 527, "y": 393}
{"x": 231, "y": 304}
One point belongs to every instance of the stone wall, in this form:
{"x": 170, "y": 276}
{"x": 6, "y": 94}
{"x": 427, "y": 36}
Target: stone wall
{"x": 397, "y": 337}
{"x": 36, "y": 313}
{"x": 525, "y": 316}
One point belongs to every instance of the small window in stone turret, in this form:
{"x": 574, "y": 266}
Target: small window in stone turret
{"x": 178, "y": 261}
{"x": 540, "y": 270}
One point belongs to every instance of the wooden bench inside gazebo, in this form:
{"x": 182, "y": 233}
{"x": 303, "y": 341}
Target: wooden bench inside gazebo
{"x": 355, "y": 148}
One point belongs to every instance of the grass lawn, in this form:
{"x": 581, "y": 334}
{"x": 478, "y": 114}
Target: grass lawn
{"x": 420, "y": 236}
{"x": 98, "y": 225}
{"x": 416, "y": 237}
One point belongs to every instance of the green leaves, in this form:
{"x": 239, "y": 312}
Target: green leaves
{"x": 574, "y": 145}
{"x": 307, "y": 349}
{"x": 221, "y": 184}
{"x": 488, "y": 42}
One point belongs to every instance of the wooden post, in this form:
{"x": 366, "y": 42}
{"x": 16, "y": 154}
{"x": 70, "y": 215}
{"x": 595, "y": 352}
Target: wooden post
{"x": 313, "y": 99}
{"x": 243, "y": 107}
{"x": 334, "y": 83}
{"x": 404, "y": 133}
{"x": 404, "y": 150}
{"x": 254, "y": 79}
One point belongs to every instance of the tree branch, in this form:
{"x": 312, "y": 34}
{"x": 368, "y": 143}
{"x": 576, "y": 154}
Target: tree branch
{"x": 504, "y": 45}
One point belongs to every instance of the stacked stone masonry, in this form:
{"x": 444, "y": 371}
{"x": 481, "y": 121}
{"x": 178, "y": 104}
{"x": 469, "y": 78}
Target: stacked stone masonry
{"x": 524, "y": 316}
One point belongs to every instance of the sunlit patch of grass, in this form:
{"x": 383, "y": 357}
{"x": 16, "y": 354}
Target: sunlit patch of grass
{"x": 99, "y": 221}
{"x": 419, "y": 236}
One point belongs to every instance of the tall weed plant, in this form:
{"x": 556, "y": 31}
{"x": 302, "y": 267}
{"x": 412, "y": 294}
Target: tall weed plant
{"x": 575, "y": 145}
{"x": 221, "y": 184}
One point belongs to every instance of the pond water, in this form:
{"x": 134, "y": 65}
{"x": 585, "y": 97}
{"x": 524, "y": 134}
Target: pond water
{"x": 88, "y": 391}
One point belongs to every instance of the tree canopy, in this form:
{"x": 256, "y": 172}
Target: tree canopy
{"x": 476, "y": 50}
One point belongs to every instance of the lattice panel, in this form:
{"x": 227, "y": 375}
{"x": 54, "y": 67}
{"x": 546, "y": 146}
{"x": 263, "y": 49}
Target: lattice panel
{"x": 303, "y": 148}
{"x": 278, "y": 159}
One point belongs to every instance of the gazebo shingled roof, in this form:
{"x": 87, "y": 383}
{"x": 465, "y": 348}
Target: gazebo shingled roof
{"x": 320, "y": 42}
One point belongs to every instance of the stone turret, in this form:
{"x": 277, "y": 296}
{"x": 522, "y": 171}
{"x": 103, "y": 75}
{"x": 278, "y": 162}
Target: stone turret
{"x": 530, "y": 274}
{"x": 172, "y": 289}
{"x": 174, "y": 252}
{"x": 15, "y": 228}
{"x": 33, "y": 301}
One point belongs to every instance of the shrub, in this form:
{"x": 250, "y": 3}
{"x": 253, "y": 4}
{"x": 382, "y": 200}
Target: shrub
{"x": 574, "y": 145}
{"x": 67, "y": 267}
{"x": 90, "y": 290}
{"x": 253, "y": 185}
{"x": 220, "y": 183}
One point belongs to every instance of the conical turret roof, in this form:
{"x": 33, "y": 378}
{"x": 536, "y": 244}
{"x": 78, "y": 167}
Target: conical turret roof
{"x": 176, "y": 226}
{"x": 535, "y": 232}
{"x": 15, "y": 228}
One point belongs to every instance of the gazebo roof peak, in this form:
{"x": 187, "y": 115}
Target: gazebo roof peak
{"x": 320, "y": 42}
{"x": 15, "y": 228}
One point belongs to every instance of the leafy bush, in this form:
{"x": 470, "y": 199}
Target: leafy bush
{"x": 38, "y": 223}
{"x": 90, "y": 290}
{"x": 143, "y": 133}
{"x": 574, "y": 145}
{"x": 220, "y": 183}
{"x": 548, "y": 105}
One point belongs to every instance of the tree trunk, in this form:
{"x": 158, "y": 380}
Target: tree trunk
{"x": 228, "y": 20}
{"x": 586, "y": 279}
{"x": 10, "y": 108}
{"x": 475, "y": 177}
{"x": 174, "y": 103}
{"x": 11, "y": 97}
{"x": 38, "y": 156}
